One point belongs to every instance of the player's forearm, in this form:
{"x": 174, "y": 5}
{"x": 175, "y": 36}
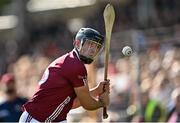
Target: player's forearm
{"x": 86, "y": 99}
{"x": 92, "y": 104}
{"x": 95, "y": 104}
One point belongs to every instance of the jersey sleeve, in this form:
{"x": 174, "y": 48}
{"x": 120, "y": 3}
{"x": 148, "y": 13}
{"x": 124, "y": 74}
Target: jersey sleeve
{"x": 78, "y": 76}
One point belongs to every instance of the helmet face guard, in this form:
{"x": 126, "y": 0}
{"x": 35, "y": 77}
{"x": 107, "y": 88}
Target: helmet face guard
{"x": 90, "y": 43}
{"x": 90, "y": 49}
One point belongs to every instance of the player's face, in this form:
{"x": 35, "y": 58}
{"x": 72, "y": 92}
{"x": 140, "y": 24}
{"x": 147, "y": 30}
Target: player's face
{"x": 90, "y": 49}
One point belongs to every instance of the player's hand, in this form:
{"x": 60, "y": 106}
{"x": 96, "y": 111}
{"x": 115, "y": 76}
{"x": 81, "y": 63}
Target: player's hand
{"x": 103, "y": 86}
{"x": 104, "y": 98}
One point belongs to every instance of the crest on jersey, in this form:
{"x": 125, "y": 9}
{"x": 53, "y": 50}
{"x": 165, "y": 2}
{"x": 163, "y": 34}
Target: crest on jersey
{"x": 84, "y": 78}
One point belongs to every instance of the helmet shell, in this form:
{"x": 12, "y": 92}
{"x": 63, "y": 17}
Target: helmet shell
{"x": 89, "y": 33}
{"x": 86, "y": 34}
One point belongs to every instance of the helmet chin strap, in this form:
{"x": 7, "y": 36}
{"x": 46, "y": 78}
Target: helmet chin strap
{"x": 83, "y": 58}
{"x": 86, "y": 60}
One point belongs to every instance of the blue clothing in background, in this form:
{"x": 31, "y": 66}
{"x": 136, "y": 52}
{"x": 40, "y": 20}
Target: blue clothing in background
{"x": 10, "y": 111}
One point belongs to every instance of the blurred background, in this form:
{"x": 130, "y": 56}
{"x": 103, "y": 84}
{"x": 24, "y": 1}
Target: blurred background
{"x": 144, "y": 87}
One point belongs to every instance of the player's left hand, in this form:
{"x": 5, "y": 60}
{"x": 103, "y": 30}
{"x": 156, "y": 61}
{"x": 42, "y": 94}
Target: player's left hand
{"x": 103, "y": 86}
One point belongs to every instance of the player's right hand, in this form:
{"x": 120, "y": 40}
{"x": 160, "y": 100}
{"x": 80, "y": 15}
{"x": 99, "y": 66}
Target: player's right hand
{"x": 103, "y": 86}
{"x": 104, "y": 98}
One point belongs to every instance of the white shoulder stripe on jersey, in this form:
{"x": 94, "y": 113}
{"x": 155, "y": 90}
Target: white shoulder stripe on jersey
{"x": 58, "y": 110}
{"x": 44, "y": 77}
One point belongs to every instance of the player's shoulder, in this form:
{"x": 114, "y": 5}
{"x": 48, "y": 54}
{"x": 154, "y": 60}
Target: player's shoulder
{"x": 68, "y": 62}
{"x": 74, "y": 61}
{"x": 73, "y": 64}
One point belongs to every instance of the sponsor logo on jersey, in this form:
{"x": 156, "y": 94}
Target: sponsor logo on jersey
{"x": 84, "y": 78}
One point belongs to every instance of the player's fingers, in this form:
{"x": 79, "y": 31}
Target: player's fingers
{"x": 107, "y": 85}
{"x": 106, "y": 81}
{"x": 107, "y": 93}
{"x": 107, "y": 88}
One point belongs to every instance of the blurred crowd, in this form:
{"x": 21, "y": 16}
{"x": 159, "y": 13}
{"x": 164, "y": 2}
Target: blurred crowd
{"x": 139, "y": 94}
{"x": 144, "y": 87}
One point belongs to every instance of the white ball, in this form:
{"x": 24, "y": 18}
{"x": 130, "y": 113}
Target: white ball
{"x": 127, "y": 51}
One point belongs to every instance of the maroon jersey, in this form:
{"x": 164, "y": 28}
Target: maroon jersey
{"x": 55, "y": 95}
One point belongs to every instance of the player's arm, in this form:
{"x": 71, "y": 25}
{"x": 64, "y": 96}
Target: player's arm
{"x": 104, "y": 85}
{"x": 76, "y": 102}
{"x": 94, "y": 92}
{"x": 87, "y": 101}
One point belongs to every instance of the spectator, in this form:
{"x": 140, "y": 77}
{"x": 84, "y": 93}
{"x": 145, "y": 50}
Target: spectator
{"x": 152, "y": 111}
{"x": 10, "y": 108}
{"x": 174, "y": 115}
